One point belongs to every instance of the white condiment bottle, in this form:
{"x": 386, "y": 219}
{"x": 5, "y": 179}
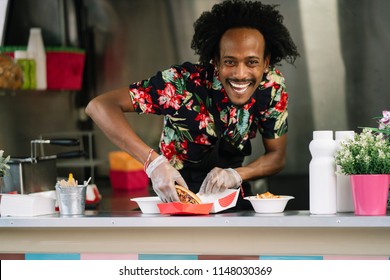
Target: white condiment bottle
{"x": 322, "y": 173}
{"x": 36, "y": 50}
{"x": 344, "y": 191}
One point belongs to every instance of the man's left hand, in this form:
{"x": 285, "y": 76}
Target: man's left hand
{"x": 220, "y": 179}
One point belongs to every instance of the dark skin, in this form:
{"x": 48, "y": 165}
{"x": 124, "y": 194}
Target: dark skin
{"x": 241, "y": 66}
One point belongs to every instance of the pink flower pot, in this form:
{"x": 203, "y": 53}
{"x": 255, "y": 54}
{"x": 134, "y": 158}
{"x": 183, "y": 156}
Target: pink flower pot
{"x": 370, "y": 193}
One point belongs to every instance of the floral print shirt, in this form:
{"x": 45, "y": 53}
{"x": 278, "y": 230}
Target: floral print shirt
{"x": 191, "y": 96}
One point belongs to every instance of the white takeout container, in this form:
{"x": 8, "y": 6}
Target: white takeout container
{"x": 148, "y": 204}
{"x": 47, "y": 194}
{"x": 222, "y": 200}
{"x": 269, "y": 205}
{"x": 24, "y": 205}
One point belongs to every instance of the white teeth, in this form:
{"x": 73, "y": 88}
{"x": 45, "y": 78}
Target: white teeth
{"x": 240, "y": 85}
{"x": 240, "y": 88}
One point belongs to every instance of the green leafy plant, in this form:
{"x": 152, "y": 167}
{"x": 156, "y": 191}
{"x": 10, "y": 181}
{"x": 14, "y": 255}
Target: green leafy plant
{"x": 367, "y": 153}
{"x": 4, "y": 167}
{"x": 383, "y": 124}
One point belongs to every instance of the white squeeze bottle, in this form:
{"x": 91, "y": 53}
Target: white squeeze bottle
{"x": 344, "y": 191}
{"x": 322, "y": 173}
{"x": 36, "y": 50}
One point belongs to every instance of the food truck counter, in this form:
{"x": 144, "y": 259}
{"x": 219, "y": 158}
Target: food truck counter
{"x": 291, "y": 233}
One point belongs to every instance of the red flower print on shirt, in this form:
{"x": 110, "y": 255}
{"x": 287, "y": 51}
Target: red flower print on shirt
{"x": 195, "y": 77}
{"x": 203, "y": 117}
{"x": 189, "y": 105}
{"x": 281, "y": 105}
{"x": 168, "y": 150}
{"x": 148, "y": 108}
{"x": 269, "y": 84}
{"x": 169, "y": 97}
{"x": 248, "y": 105}
{"x": 143, "y": 98}
{"x": 202, "y": 139}
{"x": 184, "y": 144}
{"x": 225, "y": 98}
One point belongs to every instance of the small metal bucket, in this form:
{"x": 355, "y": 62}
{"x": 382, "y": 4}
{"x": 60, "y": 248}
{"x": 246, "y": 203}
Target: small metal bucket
{"x": 71, "y": 200}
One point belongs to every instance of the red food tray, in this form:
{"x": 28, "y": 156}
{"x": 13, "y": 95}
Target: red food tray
{"x": 178, "y": 208}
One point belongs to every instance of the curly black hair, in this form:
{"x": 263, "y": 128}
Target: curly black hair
{"x": 211, "y": 25}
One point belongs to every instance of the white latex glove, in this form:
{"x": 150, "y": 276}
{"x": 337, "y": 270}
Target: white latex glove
{"x": 219, "y": 180}
{"x": 164, "y": 176}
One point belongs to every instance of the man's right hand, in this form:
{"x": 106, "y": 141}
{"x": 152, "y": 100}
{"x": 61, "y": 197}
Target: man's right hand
{"x": 164, "y": 177}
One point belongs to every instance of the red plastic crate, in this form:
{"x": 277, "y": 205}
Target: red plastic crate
{"x": 64, "y": 70}
{"x": 128, "y": 180}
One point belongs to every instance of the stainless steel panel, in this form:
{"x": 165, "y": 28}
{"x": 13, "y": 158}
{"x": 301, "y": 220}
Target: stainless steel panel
{"x": 28, "y": 177}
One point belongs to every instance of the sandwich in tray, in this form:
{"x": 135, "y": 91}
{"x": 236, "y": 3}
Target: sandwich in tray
{"x": 190, "y": 204}
{"x": 186, "y": 196}
{"x": 193, "y": 204}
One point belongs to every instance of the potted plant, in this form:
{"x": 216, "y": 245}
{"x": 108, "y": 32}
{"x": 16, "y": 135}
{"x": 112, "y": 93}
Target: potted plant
{"x": 4, "y": 167}
{"x": 366, "y": 158}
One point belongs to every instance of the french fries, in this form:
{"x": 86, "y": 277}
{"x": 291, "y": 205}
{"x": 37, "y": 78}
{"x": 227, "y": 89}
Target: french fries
{"x": 71, "y": 182}
{"x": 267, "y": 195}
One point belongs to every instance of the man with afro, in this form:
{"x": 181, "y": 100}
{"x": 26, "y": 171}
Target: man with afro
{"x": 212, "y": 108}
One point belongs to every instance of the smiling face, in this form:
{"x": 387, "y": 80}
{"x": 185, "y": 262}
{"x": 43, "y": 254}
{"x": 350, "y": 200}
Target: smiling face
{"x": 241, "y": 63}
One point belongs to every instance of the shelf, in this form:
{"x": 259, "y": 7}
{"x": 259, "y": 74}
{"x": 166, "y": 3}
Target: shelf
{"x": 79, "y": 163}
{"x": 20, "y": 92}
{"x": 87, "y": 145}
